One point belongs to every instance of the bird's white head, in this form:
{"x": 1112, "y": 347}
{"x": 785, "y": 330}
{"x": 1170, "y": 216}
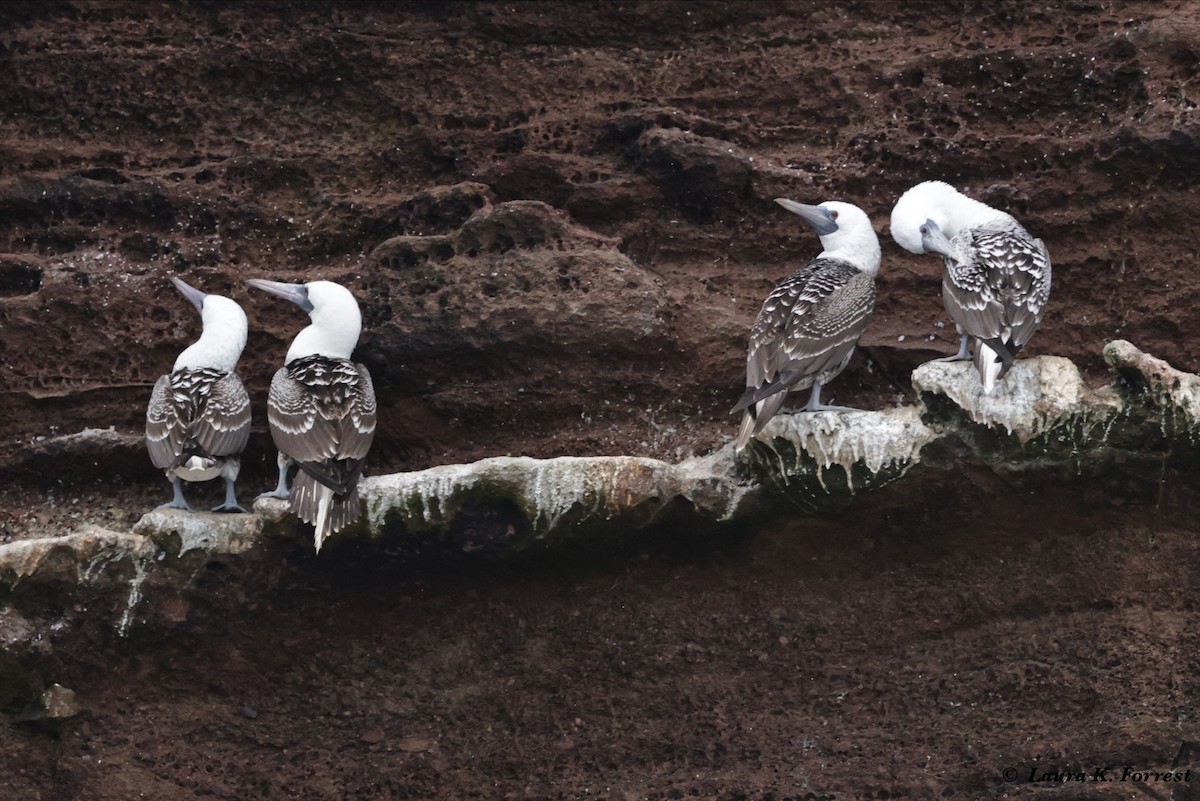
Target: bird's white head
{"x": 336, "y": 320}
{"x": 224, "y": 336}
{"x": 949, "y": 209}
{"x": 845, "y": 230}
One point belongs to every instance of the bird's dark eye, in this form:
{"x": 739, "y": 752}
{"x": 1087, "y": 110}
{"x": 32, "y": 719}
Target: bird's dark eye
{"x": 924, "y": 230}
{"x": 833, "y": 215}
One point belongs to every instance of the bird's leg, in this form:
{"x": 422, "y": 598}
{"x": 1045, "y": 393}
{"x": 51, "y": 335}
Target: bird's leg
{"x": 281, "y": 489}
{"x": 964, "y": 352}
{"x": 231, "y": 504}
{"x": 814, "y": 402}
{"x": 178, "y": 502}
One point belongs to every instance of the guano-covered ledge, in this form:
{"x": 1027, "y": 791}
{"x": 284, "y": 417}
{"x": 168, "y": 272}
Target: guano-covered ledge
{"x": 1043, "y": 420}
{"x": 514, "y": 501}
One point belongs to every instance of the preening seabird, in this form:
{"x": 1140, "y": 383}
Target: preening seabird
{"x": 996, "y": 277}
{"x": 198, "y": 419}
{"x": 809, "y": 325}
{"x": 321, "y": 407}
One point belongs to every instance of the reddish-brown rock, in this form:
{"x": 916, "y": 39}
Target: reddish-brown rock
{"x": 434, "y": 158}
{"x": 558, "y": 217}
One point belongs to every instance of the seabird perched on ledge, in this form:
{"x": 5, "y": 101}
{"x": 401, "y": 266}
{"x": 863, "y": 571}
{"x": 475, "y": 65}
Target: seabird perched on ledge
{"x": 996, "y": 277}
{"x": 198, "y": 419}
{"x": 321, "y": 407}
{"x": 809, "y": 325}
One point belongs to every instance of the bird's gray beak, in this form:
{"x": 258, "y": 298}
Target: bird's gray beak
{"x": 191, "y": 293}
{"x": 296, "y": 293}
{"x": 934, "y": 241}
{"x": 815, "y": 216}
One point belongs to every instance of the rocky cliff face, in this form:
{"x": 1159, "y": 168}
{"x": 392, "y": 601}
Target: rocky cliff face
{"x": 1023, "y": 567}
{"x": 559, "y": 218}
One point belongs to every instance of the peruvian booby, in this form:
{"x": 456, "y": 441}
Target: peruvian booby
{"x": 996, "y": 276}
{"x": 809, "y": 325}
{"x": 321, "y": 407}
{"x": 198, "y": 419}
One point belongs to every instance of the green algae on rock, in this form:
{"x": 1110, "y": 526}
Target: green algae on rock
{"x": 1037, "y": 396}
{"x": 1171, "y": 391}
{"x": 510, "y": 501}
{"x": 794, "y": 454}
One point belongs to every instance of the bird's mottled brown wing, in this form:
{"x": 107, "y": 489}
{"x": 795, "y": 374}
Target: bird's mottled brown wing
{"x": 770, "y": 327}
{"x": 223, "y": 425}
{"x": 824, "y": 334}
{"x": 808, "y": 324}
{"x": 165, "y": 433}
{"x": 322, "y": 411}
{"x": 297, "y": 426}
{"x": 356, "y": 429}
{"x": 969, "y": 304}
{"x": 1002, "y": 283}
{"x": 1026, "y": 316}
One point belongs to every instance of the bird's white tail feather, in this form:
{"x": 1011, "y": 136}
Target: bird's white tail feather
{"x": 317, "y": 504}
{"x": 988, "y": 363}
{"x": 743, "y": 437}
{"x": 764, "y": 410}
{"x": 324, "y": 501}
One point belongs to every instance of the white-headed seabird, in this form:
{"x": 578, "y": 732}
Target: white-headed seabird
{"x": 321, "y": 407}
{"x": 809, "y": 325}
{"x": 996, "y": 279}
{"x": 198, "y": 419}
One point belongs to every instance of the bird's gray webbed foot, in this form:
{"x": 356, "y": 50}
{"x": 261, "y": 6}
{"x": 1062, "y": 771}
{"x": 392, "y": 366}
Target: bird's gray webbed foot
{"x": 178, "y": 501}
{"x": 964, "y": 351}
{"x": 828, "y": 407}
{"x": 281, "y": 490}
{"x": 230, "y": 503}
{"x": 814, "y": 403}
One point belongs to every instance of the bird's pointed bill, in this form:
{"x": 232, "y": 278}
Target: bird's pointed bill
{"x": 195, "y": 296}
{"x": 934, "y": 241}
{"x": 817, "y": 217}
{"x": 296, "y": 293}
